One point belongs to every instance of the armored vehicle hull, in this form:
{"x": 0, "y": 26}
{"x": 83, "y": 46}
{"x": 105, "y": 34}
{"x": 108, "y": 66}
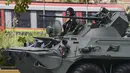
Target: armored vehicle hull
{"x": 107, "y": 54}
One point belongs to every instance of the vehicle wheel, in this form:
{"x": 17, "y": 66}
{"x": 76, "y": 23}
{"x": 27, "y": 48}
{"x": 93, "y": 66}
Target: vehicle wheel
{"x": 88, "y": 68}
{"x": 125, "y": 68}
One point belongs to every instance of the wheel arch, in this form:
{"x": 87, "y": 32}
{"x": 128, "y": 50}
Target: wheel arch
{"x": 81, "y": 61}
{"x": 98, "y": 62}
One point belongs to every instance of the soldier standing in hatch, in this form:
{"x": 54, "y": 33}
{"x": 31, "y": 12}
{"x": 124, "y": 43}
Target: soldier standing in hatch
{"x": 70, "y": 23}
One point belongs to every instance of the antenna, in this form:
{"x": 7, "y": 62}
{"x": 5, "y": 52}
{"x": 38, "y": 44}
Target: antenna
{"x": 86, "y": 10}
{"x": 44, "y": 12}
{"x": 44, "y": 7}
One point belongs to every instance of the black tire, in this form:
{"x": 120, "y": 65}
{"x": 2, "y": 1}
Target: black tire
{"x": 125, "y": 68}
{"x": 87, "y": 68}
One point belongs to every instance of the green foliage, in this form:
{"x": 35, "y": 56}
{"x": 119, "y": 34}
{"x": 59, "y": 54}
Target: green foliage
{"x": 21, "y": 5}
{"x": 17, "y": 39}
{"x": 1, "y": 39}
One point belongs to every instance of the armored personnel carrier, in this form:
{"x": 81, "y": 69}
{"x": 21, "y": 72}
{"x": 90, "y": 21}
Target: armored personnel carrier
{"x": 99, "y": 48}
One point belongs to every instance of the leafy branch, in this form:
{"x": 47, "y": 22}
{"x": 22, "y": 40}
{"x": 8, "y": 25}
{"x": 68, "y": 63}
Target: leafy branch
{"x": 21, "y": 5}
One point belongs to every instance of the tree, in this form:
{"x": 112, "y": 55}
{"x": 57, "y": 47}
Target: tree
{"x": 21, "y": 5}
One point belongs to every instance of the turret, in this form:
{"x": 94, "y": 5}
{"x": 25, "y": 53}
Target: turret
{"x": 104, "y": 18}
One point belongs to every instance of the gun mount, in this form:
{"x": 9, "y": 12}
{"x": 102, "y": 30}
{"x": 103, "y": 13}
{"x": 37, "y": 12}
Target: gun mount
{"x": 102, "y": 49}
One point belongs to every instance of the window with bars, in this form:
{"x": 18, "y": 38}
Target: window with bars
{"x": 24, "y": 19}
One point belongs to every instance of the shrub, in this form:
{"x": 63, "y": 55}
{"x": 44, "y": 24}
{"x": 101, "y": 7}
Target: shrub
{"x": 16, "y": 39}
